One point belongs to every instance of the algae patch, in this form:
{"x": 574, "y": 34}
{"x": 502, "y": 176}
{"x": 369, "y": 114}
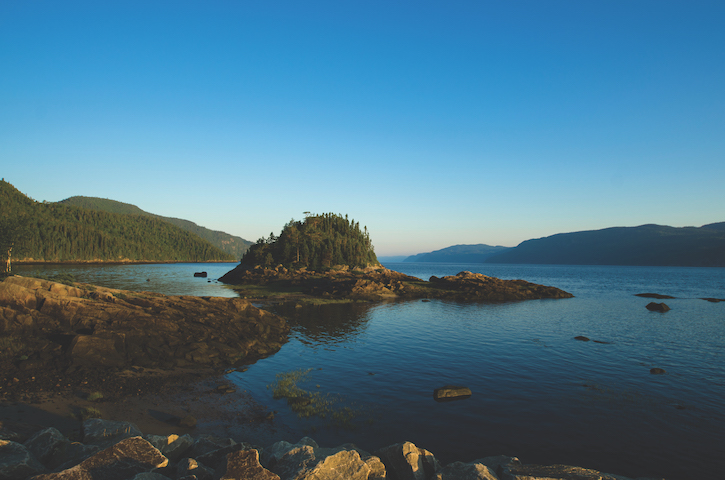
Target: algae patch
{"x": 308, "y": 404}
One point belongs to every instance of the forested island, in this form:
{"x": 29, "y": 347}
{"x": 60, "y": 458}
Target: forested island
{"x": 329, "y": 256}
{"x": 32, "y": 231}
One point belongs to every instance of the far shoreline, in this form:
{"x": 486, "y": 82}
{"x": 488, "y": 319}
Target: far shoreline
{"x": 114, "y": 262}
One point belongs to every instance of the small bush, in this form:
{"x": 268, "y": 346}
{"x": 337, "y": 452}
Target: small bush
{"x": 90, "y": 412}
{"x": 94, "y": 396}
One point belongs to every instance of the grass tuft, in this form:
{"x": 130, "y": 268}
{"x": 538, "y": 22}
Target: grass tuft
{"x": 94, "y": 397}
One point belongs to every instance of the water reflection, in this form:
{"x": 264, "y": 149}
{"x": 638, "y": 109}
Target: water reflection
{"x": 327, "y": 324}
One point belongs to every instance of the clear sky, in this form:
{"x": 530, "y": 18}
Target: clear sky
{"x": 432, "y": 123}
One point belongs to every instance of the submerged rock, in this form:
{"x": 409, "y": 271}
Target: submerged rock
{"x": 653, "y": 295}
{"x": 451, "y": 392}
{"x": 657, "y": 307}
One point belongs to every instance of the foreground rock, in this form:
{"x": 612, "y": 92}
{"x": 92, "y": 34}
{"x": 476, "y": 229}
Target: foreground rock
{"x": 149, "y": 457}
{"x": 379, "y": 283}
{"x": 53, "y": 328}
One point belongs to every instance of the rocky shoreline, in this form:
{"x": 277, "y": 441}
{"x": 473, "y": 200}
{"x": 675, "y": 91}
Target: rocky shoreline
{"x": 53, "y": 335}
{"x": 144, "y": 354}
{"x": 119, "y": 450}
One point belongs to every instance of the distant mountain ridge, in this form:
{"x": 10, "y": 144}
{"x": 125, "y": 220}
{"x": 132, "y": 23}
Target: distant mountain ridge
{"x": 233, "y": 245}
{"x": 459, "y": 254}
{"x": 645, "y": 245}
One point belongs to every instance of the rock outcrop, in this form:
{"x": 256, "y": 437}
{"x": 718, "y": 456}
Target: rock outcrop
{"x": 55, "y": 327}
{"x": 149, "y": 457}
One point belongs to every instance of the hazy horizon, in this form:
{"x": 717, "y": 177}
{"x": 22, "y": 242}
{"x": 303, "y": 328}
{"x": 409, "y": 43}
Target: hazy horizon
{"x": 433, "y": 125}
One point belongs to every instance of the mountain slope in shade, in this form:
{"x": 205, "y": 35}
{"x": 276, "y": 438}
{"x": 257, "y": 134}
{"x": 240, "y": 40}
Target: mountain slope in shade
{"x": 53, "y": 232}
{"x": 233, "y": 245}
{"x": 459, "y": 254}
{"x": 646, "y": 245}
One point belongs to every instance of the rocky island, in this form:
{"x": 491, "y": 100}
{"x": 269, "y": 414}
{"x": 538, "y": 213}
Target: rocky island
{"x": 378, "y": 283}
{"x": 329, "y": 256}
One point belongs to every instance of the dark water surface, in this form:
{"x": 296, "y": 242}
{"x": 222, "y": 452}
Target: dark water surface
{"x": 538, "y": 393}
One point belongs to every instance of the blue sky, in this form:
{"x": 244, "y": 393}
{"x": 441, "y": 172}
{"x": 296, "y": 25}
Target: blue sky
{"x": 432, "y": 123}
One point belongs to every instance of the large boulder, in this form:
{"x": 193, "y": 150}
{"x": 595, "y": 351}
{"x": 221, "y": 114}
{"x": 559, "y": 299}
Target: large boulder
{"x": 16, "y": 461}
{"x": 119, "y": 462}
{"x": 49, "y": 446}
{"x": 243, "y": 465}
{"x": 301, "y": 463}
{"x": 272, "y": 454}
{"x": 409, "y": 462}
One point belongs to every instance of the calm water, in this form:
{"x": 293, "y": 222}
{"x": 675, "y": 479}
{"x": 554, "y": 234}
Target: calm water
{"x": 169, "y": 279}
{"x": 537, "y": 393}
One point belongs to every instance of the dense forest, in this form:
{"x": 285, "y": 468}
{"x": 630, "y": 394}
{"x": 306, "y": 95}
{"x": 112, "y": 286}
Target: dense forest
{"x": 233, "y": 245}
{"x": 655, "y": 245}
{"x": 318, "y": 242}
{"x": 53, "y": 232}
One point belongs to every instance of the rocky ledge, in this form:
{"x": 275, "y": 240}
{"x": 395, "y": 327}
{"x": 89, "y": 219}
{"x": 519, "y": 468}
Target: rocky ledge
{"x": 379, "y": 283}
{"x": 49, "y": 330}
{"x": 118, "y": 450}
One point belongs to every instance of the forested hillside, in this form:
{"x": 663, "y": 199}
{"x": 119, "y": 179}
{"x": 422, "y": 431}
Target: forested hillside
{"x": 655, "y": 245}
{"x": 53, "y": 232}
{"x": 233, "y": 245}
{"x": 458, "y": 254}
{"x": 318, "y": 242}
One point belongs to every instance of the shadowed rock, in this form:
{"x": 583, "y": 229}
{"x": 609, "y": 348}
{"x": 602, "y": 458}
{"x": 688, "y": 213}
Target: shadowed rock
{"x": 16, "y": 461}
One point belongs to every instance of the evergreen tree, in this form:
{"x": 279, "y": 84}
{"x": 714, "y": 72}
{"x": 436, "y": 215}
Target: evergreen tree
{"x": 319, "y": 242}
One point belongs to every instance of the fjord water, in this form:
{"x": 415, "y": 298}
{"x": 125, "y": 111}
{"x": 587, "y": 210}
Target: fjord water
{"x": 538, "y": 393}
